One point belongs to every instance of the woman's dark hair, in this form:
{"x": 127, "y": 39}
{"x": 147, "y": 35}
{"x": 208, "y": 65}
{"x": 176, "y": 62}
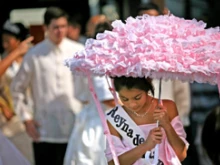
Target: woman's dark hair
{"x": 75, "y": 20}
{"x": 131, "y": 82}
{"x": 211, "y": 135}
{"x": 18, "y": 30}
{"x": 54, "y": 13}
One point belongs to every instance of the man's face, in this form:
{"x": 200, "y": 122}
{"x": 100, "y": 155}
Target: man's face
{"x": 74, "y": 32}
{"x": 57, "y": 29}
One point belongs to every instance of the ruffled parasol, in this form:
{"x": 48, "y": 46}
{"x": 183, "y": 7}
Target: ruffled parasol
{"x": 165, "y": 47}
{"x": 161, "y": 47}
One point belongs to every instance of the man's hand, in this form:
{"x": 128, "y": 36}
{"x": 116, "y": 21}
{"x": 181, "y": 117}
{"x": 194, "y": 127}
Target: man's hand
{"x": 31, "y": 128}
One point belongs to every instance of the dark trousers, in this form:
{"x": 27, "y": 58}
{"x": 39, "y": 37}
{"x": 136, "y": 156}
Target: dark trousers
{"x": 49, "y": 153}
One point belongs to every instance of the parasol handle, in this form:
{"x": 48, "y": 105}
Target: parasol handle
{"x": 156, "y": 149}
{"x": 159, "y": 94}
{"x": 156, "y": 152}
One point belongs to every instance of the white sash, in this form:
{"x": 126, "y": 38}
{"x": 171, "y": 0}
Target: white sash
{"x": 128, "y": 129}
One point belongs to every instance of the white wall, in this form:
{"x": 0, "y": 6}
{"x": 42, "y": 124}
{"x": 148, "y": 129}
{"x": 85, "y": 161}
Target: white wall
{"x": 33, "y": 16}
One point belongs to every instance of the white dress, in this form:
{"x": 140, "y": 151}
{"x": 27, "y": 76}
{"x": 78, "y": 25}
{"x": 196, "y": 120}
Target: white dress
{"x": 14, "y": 129}
{"x": 87, "y": 142}
{"x": 9, "y": 154}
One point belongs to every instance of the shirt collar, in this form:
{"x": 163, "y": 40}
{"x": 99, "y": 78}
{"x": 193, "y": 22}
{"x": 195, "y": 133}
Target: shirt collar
{"x": 61, "y": 47}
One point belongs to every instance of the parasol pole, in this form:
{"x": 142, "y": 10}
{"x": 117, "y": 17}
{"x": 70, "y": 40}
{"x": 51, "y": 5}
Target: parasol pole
{"x": 103, "y": 120}
{"x": 112, "y": 89}
{"x": 159, "y": 95}
{"x": 156, "y": 151}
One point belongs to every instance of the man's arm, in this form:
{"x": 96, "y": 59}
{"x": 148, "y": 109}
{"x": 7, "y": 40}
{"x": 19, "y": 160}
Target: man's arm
{"x": 19, "y": 85}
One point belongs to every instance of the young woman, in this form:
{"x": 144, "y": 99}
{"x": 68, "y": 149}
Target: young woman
{"x": 15, "y": 44}
{"x": 14, "y": 53}
{"x": 134, "y": 130}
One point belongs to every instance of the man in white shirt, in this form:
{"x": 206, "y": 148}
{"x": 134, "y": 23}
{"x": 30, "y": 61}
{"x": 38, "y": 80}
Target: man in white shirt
{"x": 52, "y": 119}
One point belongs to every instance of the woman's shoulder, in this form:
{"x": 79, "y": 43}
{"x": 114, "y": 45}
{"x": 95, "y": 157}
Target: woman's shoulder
{"x": 112, "y": 130}
{"x": 171, "y": 108}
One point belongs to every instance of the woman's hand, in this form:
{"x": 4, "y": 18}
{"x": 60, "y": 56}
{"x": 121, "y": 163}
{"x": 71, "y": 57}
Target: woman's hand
{"x": 24, "y": 46}
{"x": 160, "y": 114}
{"x": 155, "y": 137}
{"x": 8, "y": 114}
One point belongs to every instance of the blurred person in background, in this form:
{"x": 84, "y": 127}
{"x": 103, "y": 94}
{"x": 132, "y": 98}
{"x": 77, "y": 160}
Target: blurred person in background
{"x": 204, "y": 98}
{"x": 87, "y": 141}
{"x": 14, "y": 47}
{"x": 152, "y": 8}
{"x": 52, "y": 85}
{"x": 12, "y": 127}
{"x": 75, "y": 29}
{"x": 211, "y": 135}
{"x": 149, "y": 8}
{"x": 92, "y": 23}
{"x": 213, "y": 13}
{"x": 11, "y": 57}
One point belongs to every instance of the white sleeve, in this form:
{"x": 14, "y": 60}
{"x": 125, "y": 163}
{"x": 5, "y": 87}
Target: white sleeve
{"x": 81, "y": 89}
{"x": 102, "y": 88}
{"x": 18, "y": 89}
{"x": 182, "y": 100}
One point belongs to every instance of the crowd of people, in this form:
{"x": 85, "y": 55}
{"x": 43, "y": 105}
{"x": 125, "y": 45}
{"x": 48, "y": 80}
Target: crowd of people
{"x": 48, "y": 115}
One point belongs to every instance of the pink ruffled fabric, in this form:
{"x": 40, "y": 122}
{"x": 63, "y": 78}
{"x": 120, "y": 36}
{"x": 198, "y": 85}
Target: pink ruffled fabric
{"x": 166, "y": 154}
{"x": 165, "y": 46}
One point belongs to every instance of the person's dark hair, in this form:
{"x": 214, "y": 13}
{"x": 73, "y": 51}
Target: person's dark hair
{"x": 131, "y": 82}
{"x": 101, "y": 27}
{"x": 148, "y": 6}
{"x": 54, "y": 13}
{"x": 18, "y": 30}
{"x": 75, "y": 20}
{"x": 211, "y": 135}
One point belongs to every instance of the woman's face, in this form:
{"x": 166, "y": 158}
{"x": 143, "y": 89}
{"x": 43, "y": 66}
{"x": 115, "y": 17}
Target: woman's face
{"x": 9, "y": 42}
{"x": 133, "y": 99}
